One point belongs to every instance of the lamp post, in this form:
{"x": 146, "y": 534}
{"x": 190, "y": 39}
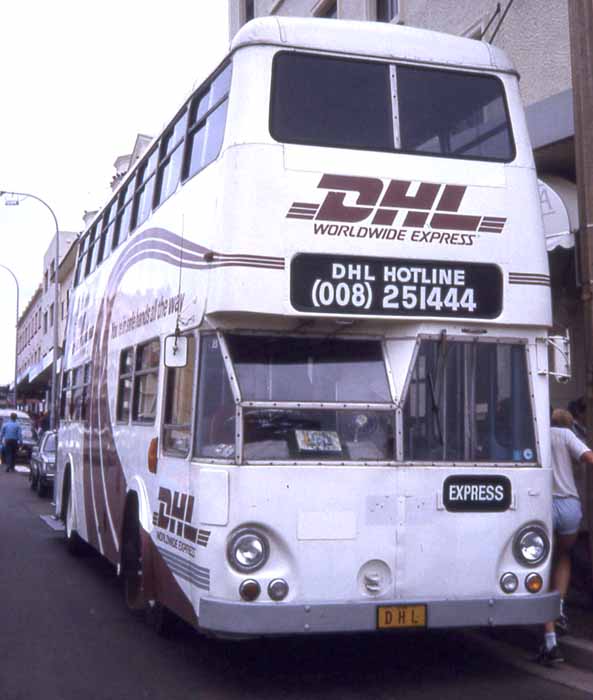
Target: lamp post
{"x": 54, "y": 380}
{"x": 16, "y": 327}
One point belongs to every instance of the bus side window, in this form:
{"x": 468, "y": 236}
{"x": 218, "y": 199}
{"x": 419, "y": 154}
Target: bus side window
{"x": 77, "y": 392}
{"x": 178, "y": 405}
{"x": 124, "y": 388}
{"x": 146, "y": 377}
{"x": 169, "y": 170}
{"x": 66, "y": 396}
{"x": 215, "y": 425}
{"x": 124, "y": 215}
{"x": 207, "y": 119}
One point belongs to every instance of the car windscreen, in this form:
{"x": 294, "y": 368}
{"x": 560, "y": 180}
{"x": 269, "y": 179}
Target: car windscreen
{"x": 347, "y": 103}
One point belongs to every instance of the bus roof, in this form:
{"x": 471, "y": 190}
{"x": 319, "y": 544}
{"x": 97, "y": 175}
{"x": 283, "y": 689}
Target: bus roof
{"x": 377, "y": 39}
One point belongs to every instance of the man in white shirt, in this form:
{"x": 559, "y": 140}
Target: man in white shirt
{"x": 567, "y": 515}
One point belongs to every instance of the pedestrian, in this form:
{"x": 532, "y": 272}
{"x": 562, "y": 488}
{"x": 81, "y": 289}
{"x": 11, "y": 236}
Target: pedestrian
{"x": 11, "y": 437}
{"x": 566, "y": 517}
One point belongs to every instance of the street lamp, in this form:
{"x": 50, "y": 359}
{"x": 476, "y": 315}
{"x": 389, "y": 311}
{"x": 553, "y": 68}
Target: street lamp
{"x": 54, "y": 380}
{"x": 16, "y": 327}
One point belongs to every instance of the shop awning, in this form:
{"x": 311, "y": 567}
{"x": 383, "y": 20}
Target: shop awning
{"x": 558, "y": 198}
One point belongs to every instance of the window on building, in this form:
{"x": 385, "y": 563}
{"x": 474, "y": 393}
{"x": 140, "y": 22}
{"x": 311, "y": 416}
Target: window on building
{"x": 387, "y": 10}
{"x": 45, "y": 321}
{"x": 249, "y": 10}
{"x": 45, "y": 281}
{"x": 178, "y": 405}
{"x": 146, "y": 375}
{"x": 51, "y": 316}
{"x": 207, "y": 119}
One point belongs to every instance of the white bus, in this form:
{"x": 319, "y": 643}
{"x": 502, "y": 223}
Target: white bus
{"x": 305, "y": 378}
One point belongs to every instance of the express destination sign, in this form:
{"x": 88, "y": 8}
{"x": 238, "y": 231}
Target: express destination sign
{"x": 341, "y": 284}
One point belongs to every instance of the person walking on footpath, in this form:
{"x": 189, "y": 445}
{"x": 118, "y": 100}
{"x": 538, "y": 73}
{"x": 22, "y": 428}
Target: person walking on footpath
{"x": 11, "y": 437}
{"x": 566, "y": 516}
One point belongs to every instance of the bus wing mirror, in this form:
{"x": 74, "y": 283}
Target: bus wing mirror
{"x": 560, "y": 364}
{"x": 176, "y": 351}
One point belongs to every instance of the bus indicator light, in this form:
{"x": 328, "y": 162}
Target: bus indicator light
{"x": 533, "y": 583}
{"x": 249, "y": 590}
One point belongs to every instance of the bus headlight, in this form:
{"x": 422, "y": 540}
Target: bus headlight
{"x": 248, "y": 550}
{"x": 531, "y": 546}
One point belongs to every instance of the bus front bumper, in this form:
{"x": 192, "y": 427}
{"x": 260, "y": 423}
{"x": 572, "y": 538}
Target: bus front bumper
{"x": 238, "y": 618}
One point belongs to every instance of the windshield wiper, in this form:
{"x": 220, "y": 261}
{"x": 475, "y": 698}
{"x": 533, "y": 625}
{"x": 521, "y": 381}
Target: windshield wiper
{"x": 440, "y": 374}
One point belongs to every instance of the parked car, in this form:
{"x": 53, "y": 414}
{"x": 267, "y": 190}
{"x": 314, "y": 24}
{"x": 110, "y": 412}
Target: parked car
{"x": 43, "y": 464}
{"x": 23, "y": 454}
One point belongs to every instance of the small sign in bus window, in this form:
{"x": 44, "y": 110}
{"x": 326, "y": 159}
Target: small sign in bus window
{"x": 394, "y": 287}
{"x": 318, "y": 441}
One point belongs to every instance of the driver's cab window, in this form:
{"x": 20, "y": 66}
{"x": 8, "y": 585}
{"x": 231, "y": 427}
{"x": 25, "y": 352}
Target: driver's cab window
{"x": 215, "y": 424}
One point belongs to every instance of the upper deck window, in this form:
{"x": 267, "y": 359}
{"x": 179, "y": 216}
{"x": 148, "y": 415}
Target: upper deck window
{"x": 345, "y": 103}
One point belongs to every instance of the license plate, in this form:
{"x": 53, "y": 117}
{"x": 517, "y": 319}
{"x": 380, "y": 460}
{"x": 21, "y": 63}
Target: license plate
{"x": 401, "y": 616}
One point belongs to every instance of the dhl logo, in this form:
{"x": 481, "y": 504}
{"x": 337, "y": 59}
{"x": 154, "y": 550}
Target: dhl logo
{"x": 175, "y": 515}
{"x": 384, "y": 202}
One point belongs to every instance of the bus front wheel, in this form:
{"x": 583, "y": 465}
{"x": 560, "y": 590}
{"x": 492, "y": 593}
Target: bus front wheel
{"x": 132, "y": 566}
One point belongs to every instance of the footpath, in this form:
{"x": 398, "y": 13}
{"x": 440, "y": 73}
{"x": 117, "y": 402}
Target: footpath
{"x": 519, "y": 646}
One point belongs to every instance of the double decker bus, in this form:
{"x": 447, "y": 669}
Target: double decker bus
{"x": 305, "y": 380}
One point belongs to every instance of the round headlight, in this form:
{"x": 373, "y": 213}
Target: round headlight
{"x": 509, "y": 582}
{"x": 531, "y": 546}
{"x": 248, "y": 551}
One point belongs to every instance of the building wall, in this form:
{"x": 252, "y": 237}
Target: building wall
{"x": 29, "y": 334}
{"x": 534, "y": 34}
{"x": 346, "y": 9}
{"x": 48, "y": 292}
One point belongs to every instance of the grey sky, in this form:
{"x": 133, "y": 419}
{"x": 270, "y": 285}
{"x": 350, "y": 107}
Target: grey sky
{"x": 79, "y": 80}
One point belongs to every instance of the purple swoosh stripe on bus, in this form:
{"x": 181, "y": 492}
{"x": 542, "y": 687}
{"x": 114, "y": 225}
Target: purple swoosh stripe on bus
{"x": 106, "y": 479}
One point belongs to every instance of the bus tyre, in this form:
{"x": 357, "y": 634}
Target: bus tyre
{"x": 132, "y": 567}
{"x": 74, "y": 543}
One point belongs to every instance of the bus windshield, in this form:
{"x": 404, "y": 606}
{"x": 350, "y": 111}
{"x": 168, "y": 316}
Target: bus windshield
{"x": 338, "y": 404}
{"x": 346, "y": 103}
{"x": 469, "y": 402}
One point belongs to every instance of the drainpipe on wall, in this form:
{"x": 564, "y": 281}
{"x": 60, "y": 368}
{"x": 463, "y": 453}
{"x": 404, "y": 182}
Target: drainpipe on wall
{"x": 580, "y": 20}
